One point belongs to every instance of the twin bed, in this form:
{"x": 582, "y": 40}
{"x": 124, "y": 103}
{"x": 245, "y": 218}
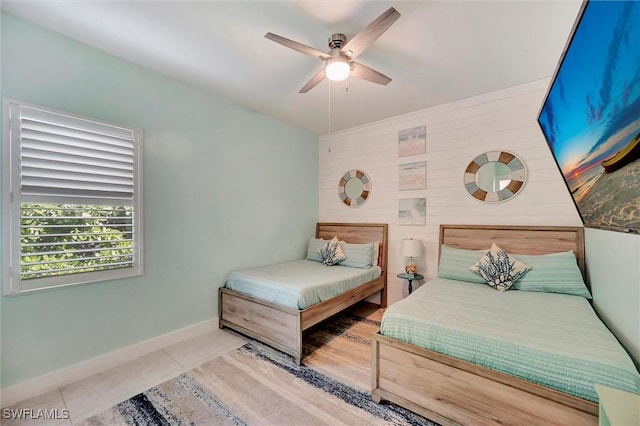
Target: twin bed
{"x": 278, "y": 314}
{"x": 457, "y": 352}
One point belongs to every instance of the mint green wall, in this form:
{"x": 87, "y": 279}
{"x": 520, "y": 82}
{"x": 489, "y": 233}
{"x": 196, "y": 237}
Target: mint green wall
{"x": 224, "y": 187}
{"x": 613, "y": 268}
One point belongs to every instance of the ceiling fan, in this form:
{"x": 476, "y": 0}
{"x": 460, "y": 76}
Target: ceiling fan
{"x": 339, "y": 61}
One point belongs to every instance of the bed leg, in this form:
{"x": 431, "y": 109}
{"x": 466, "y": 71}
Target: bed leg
{"x": 299, "y": 350}
{"x": 220, "y": 322}
{"x": 383, "y": 297}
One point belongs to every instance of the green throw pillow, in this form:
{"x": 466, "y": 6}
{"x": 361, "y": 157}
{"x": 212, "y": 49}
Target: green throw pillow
{"x": 553, "y": 273}
{"x": 358, "y": 255}
{"x": 313, "y": 249}
{"x": 455, "y": 262}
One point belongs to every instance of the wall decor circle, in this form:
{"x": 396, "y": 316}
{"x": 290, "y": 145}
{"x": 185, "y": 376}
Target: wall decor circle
{"x": 495, "y": 176}
{"x": 354, "y": 188}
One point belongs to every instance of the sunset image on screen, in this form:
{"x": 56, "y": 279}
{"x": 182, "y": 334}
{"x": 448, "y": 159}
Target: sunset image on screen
{"x": 591, "y": 117}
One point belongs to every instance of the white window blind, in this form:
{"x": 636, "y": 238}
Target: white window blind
{"x": 75, "y": 199}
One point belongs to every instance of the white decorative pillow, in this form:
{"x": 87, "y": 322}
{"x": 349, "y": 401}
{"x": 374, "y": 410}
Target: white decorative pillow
{"x": 331, "y": 252}
{"x": 499, "y": 269}
{"x": 376, "y": 253}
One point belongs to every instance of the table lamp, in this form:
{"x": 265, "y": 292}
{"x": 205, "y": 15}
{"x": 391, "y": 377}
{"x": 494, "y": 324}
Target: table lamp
{"x": 411, "y": 248}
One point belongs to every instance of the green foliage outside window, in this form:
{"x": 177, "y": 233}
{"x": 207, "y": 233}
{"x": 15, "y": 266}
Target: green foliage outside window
{"x": 59, "y": 239}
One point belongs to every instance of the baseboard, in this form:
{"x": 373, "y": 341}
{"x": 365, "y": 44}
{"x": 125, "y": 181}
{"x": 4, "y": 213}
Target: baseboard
{"x": 50, "y": 381}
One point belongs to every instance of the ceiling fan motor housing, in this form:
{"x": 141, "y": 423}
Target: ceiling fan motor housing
{"x": 336, "y": 41}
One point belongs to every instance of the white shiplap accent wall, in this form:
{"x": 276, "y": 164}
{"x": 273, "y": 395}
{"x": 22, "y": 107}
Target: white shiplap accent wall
{"x": 456, "y": 133}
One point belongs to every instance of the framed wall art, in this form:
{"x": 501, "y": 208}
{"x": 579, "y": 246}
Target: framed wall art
{"x": 412, "y": 211}
{"x": 412, "y": 175}
{"x": 412, "y": 141}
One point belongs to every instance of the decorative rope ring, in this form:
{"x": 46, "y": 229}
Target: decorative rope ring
{"x": 512, "y": 161}
{"x": 354, "y": 188}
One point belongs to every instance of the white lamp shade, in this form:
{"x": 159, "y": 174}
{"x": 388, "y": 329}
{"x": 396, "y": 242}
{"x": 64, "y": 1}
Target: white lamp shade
{"x": 337, "y": 69}
{"x": 411, "y": 248}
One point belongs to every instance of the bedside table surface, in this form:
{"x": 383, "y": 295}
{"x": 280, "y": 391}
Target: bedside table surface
{"x": 618, "y": 407}
{"x": 410, "y": 277}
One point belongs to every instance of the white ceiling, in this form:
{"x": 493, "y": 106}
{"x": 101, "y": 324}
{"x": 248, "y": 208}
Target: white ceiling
{"x": 437, "y": 52}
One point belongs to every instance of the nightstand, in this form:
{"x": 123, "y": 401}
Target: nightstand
{"x": 410, "y": 278}
{"x": 617, "y": 407}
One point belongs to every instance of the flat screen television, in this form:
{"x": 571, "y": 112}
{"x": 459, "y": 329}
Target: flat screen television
{"x": 591, "y": 115}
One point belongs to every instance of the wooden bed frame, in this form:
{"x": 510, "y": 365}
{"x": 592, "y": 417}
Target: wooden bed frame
{"x": 452, "y": 391}
{"x": 282, "y": 327}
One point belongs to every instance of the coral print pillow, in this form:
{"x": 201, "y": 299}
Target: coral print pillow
{"x": 499, "y": 269}
{"x": 331, "y": 252}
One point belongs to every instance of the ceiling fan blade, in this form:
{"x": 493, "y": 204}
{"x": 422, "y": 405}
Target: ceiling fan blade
{"x": 364, "y": 72}
{"x": 370, "y": 33}
{"x": 302, "y": 48}
{"x": 315, "y": 80}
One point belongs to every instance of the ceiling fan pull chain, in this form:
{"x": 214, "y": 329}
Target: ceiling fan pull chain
{"x": 330, "y": 82}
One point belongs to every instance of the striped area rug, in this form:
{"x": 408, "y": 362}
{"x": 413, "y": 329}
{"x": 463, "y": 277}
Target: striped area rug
{"x": 257, "y": 385}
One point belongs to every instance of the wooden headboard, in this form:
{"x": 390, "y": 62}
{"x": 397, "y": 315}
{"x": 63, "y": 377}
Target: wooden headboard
{"x": 358, "y": 233}
{"x": 516, "y": 239}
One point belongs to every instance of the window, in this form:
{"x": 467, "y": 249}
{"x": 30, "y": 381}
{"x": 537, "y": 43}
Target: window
{"x": 72, "y": 199}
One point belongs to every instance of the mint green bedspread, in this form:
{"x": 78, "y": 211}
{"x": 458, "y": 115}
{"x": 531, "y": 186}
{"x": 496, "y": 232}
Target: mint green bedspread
{"x": 299, "y": 284}
{"x": 555, "y": 340}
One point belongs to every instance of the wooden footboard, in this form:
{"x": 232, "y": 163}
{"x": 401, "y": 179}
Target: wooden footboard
{"x": 452, "y": 391}
{"x": 275, "y": 325}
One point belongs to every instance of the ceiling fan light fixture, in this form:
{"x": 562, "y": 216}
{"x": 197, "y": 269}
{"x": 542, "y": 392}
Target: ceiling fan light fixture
{"x": 337, "y": 69}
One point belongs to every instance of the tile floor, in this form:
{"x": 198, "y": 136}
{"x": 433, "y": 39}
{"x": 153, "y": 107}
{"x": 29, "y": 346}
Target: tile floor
{"x": 96, "y": 393}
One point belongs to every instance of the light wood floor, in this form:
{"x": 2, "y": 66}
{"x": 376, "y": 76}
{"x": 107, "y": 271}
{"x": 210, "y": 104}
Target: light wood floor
{"x": 368, "y": 310}
{"x": 96, "y": 393}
